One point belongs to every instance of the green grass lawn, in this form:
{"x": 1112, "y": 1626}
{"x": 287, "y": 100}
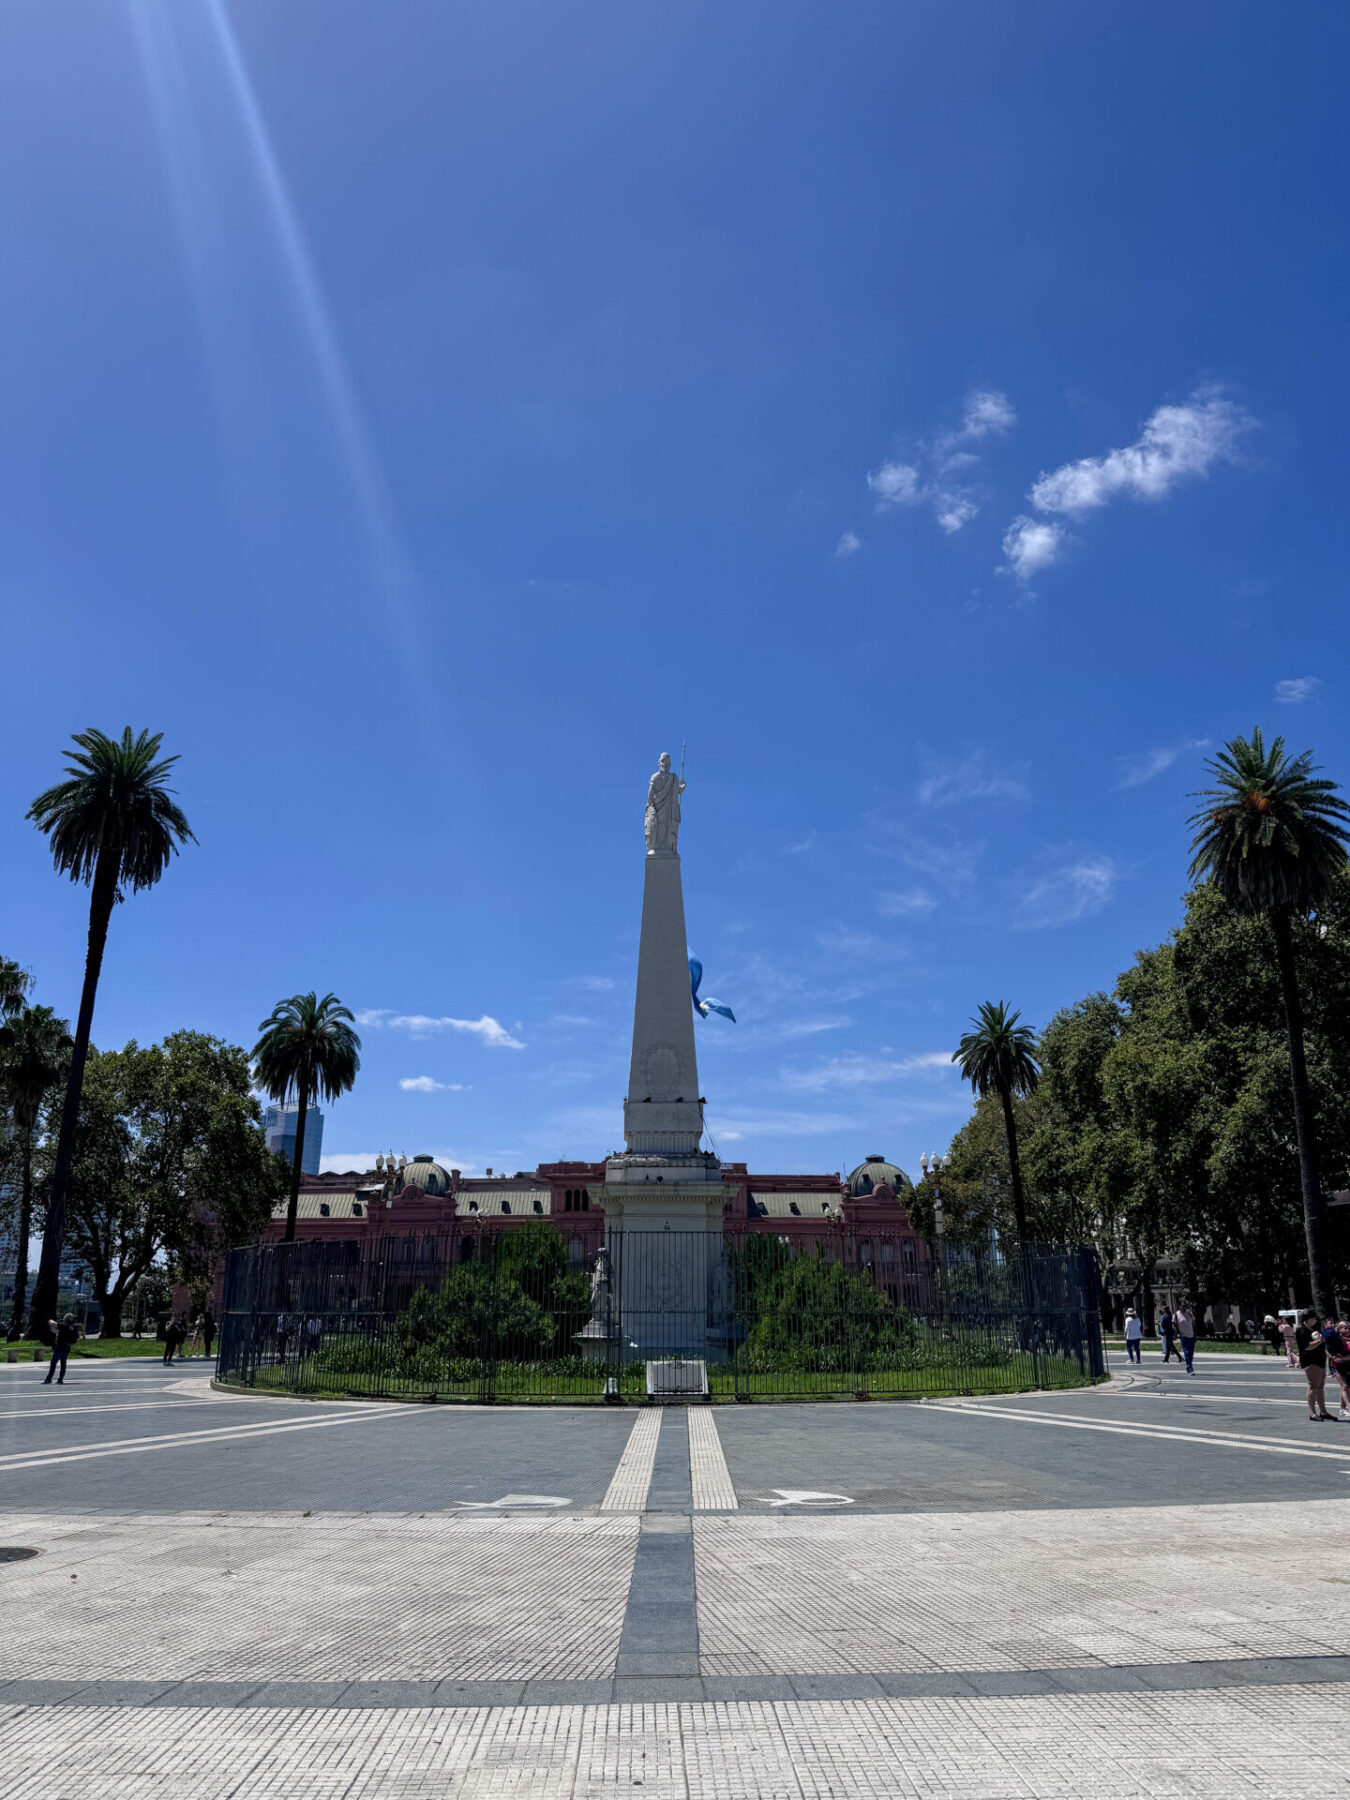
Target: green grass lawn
{"x": 1203, "y": 1347}
{"x": 94, "y": 1346}
{"x": 538, "y": 1384}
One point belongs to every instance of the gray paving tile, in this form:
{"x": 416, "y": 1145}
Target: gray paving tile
{"x": 748, "y": 1687}
{"x": 566, "y": 1693}
{"x": 452, "y": 1692}
{"x": 657, "y": 1662}
{"x": 390, "y": 1693}
{"x": 922, "y": 1684}
{"x": 299, "y": 1693}
{"x": 655, "y": 1689}
{"x": 837, "y": 1687}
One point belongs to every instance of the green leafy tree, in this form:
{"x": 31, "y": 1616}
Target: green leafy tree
{"x": 170, "y": 1164}
{"x": 816, "y": 1316}
{"x": 308, "y": 1051}
{"x": 14, "y": 985}
{"x": 112, "y": 824}
{"x": 1270, "y": 836}
{"x": 34, "y": 1048}
{"x": 998, "y": 1057}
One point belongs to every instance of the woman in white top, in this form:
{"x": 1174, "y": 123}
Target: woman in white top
{"x": 1134, "y": 1332}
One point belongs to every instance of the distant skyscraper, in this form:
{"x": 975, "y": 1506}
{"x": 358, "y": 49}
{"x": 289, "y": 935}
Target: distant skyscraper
{"x": 279, "y": 1130}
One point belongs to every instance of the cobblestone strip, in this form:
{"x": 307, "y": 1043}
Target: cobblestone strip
{"x": 627, "y": 1492}
{"x": 1247, "y": 1745}
{"x": 452, "y": 1691}
{"x": 713, "y": 1491}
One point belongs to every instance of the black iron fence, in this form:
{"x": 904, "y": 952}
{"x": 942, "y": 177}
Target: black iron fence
{"x": 506, "y": 1316}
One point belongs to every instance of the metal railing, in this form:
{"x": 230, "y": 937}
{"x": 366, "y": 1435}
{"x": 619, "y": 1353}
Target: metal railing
{"x": 505, "y": 1316}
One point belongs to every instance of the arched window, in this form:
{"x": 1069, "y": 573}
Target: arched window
{"x": 506, "y": 1206}
{"x": 575, "y": 1251}
{"x": 585, "y": 1200}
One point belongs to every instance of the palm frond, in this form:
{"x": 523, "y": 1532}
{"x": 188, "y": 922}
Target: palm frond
{"x": 114, "y": 800}
{"x": 1270, "y": 834}
{"x": 999, "y": 1054}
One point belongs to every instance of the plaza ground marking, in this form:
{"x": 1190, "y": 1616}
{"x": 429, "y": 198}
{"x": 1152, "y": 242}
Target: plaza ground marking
{"x": 805, "y": 1497}
{"x": 709, "y": 1476}
{"x": 515, "y": 1500}
{"x": 65, "y": 1412}
{"x": 35, "y": 1459}
{"x": 628, "y": 1491}
{"x": 1176, "y": 1434}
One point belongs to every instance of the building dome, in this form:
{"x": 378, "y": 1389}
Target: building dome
{"x": 425, "y": 1173}
{"x": 872, "y": 1171}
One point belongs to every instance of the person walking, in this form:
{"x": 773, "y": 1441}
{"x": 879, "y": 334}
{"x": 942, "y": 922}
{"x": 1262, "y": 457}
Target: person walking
{"x": 1134, "y": 1334}
{"x": 1290, "y": 1345}
{"x": 1184, "y": 1320}
{"x": 1167, "y": 1331}
{"x": 208, "y": 1333}
{"x": 194, "y": 1346}
{"x": 63, "y": 1336}
{"x": 1336, "y": 1337}
{"x": 1270, "y": 1331}
{"x": 1312, "y": 1357}
{"x": 173, "y": 1337}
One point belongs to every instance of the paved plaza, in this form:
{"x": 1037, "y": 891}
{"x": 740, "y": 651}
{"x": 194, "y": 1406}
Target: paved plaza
{"x": 1135, "y": 1590}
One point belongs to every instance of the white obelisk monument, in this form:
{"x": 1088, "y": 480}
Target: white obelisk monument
{"x": 663, "y": 1181}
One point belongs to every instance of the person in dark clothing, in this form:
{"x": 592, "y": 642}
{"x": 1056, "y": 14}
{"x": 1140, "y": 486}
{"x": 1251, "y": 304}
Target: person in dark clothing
{"x": 63, "y": 1336}
{"x": 1312, "y": 1359}
{"x": 174, "y": 1333}
{"x": 1167, "y": 1331}
{"x": 208, "y": 1331}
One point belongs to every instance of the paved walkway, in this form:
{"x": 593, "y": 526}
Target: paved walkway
{"x": 730, "y": 1602}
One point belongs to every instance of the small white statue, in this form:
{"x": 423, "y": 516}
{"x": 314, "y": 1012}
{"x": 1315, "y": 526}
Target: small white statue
{"x": 662, "y": 823}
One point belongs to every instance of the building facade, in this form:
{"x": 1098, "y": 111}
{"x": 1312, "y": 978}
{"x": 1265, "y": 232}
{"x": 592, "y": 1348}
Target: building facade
{"x": 279, "y": 1123}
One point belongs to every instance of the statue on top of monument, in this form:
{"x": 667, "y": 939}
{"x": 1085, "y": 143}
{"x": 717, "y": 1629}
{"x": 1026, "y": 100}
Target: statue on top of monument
{"x": 662, "y": 823}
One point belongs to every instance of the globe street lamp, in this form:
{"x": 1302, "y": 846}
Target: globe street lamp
{"x": 933, "y": 1166}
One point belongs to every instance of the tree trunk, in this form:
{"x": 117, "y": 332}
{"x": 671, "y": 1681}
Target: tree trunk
{"x": 293, "y": 1204}
{"x": 1314, "y": 1223}
{"x": 54, "y": 1231}
{"x": 1014, "y": 1164}
{"x": 25, "y": 1227}
{"x": 110, "y": 1306}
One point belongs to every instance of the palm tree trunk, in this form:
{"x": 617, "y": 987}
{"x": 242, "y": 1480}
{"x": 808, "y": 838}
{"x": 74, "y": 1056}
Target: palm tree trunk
{"x": 25, "y": 1227}
{"x": 293, "y": 1204}
{"x": 54, "y": 1231}
{"x": 1314, "y": 1226}
{"x": 1014, "y": 1164}
{"x": 1020, "y": 1214}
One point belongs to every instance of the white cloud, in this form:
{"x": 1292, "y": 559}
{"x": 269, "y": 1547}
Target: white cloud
{"x": 1066, "y": 894}
{"x": 951, "y": 782}
{"x": 849, "y": 543}
{"x": 855, "y": 1070}
{"x": 1295, "y": 691}
{"x": 933, "y": 477}
{"x": 954, "y": 510}
{"x": 591, "y": 984}
{"x": 427, "y": 1084}
{"x": 988, "y": 411}
{"x": 906, "y": 904}
{"x": 341, "y": 1162}
{"x": 490, "y": 1031}
{"x": 801, "y": 846}
{"x": 895, "y": 484}
{"x": 846, "y": 940}
{"x": 1177, "y": 444}
{"x": 1135, "y": 770}
{"x": 1031, "y": 545}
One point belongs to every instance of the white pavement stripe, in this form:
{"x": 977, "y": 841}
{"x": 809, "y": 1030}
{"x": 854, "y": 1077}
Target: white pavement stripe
{"x": 1177, "y": 1434}
{"x": 708, "y": 1470}
{"x": 65, "y": 1412}
{"x": 37, "y": 1459}
{"x": 627, "y": 1492}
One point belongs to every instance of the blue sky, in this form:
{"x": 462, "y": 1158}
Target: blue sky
{"x": 426, "y": 414}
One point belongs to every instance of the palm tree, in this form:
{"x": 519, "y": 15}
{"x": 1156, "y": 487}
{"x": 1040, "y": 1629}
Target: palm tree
{"x": 999, "y": 1057}
{"x": 14, "y": 983}
{"x": 307, "y": 1049}
{"x": 34, "y": 1047}
{"x": 112, "y": 825}
{"x": 1270, "y": 835}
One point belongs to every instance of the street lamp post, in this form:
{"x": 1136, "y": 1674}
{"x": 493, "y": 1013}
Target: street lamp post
{"x": 933, "y": 1166}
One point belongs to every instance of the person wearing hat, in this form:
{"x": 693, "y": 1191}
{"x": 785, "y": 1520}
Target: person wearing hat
{"x": 63, "y": 1336}
{"x": 1134, "y": 1334}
